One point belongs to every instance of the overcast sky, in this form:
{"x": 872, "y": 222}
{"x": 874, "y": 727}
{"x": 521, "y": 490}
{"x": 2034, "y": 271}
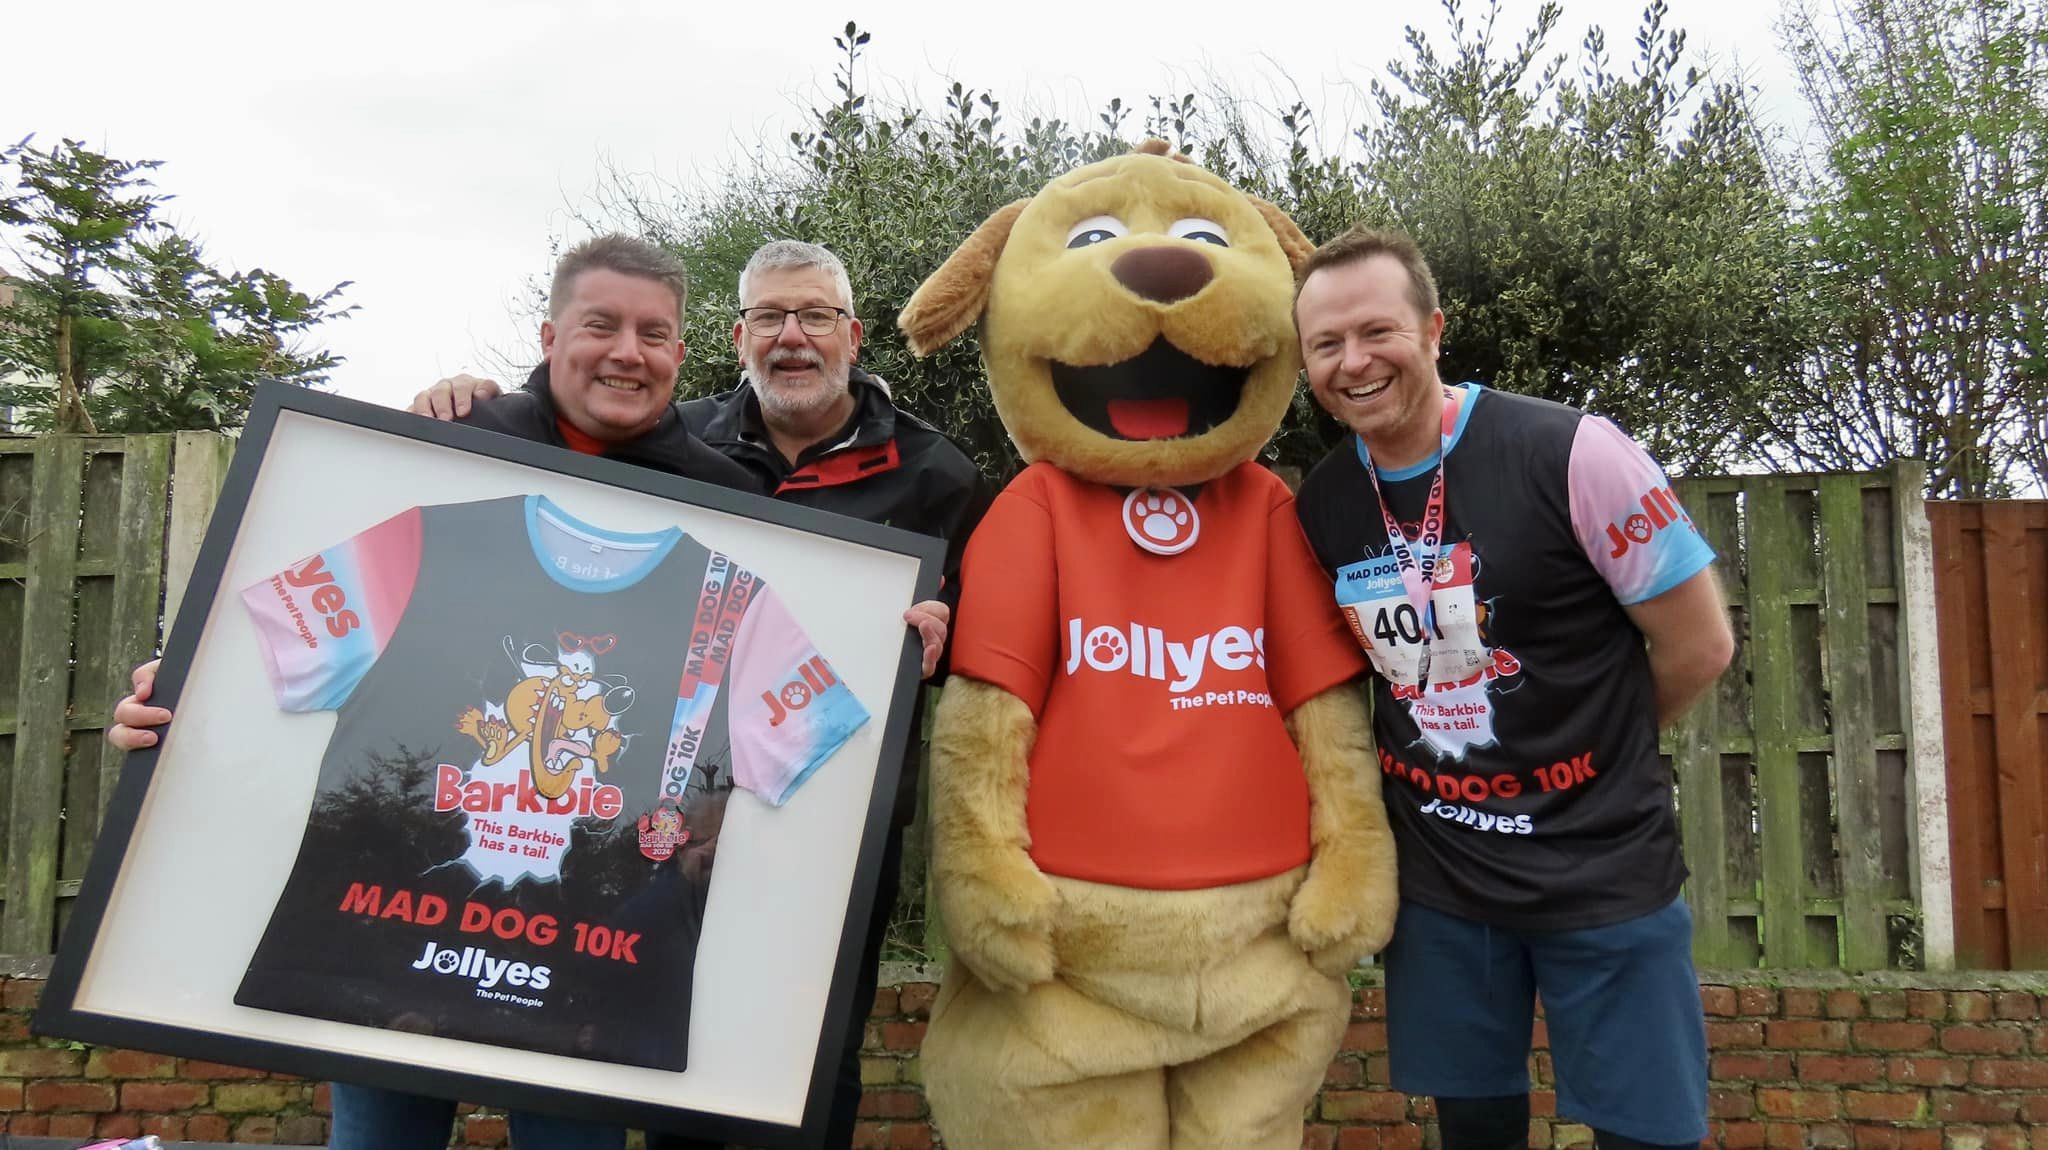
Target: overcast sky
{"x": 428, "y": 151}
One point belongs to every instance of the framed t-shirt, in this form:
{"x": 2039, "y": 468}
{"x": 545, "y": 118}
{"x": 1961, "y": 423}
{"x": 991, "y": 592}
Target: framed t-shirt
{"x": 510, "y": 775}
{"x": 511, "y": 841}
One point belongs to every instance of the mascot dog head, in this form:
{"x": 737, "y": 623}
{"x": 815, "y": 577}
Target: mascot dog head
{"x": 1136, "y": 319}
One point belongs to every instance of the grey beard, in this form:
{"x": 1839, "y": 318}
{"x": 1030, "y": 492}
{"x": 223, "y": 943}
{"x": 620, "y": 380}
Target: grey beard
{"x": 781, "y": 402}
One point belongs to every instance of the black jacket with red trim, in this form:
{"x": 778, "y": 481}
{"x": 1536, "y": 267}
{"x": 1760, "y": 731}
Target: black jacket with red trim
{"x": 885, "y": 466}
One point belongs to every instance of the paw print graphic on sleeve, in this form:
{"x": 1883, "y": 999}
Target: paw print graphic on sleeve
{"x": 1161, "y": 520}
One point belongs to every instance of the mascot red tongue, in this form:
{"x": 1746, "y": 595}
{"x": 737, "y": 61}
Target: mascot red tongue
{"x": 1149, "y": 418}
{"x": 1158, "y": 843}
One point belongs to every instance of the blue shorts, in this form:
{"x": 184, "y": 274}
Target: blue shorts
{"x": 1622, "y": 1003}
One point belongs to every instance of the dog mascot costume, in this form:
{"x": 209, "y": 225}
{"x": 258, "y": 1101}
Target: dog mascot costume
{"x": 1158, "y": 838}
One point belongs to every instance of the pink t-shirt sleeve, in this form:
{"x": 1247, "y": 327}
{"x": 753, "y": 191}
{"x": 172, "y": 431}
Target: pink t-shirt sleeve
{"x": 789, "y": 709}
{"x": 322, "y": 622}
{"x": 1627, "y": 518}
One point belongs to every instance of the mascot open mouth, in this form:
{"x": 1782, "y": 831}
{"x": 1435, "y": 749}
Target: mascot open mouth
{"x": 549, "y": 758}
{"x": 1163, "y": 393}
{"x": 564, "y": 754}
{"x": 550, "y": 720}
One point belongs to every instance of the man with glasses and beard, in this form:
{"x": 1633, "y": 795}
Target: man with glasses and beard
{"x": 816, "y": 430}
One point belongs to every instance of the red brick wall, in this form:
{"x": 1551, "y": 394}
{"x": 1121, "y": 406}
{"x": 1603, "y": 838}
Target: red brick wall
{"x": 1898, "y": 1062}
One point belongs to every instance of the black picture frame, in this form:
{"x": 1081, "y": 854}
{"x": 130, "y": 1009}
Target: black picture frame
{"x": 63, "y": 1015}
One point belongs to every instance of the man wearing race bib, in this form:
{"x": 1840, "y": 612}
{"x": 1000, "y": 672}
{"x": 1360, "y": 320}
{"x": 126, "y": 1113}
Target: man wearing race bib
{"x": 1537, "y": 605}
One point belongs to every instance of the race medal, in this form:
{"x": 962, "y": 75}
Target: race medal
{"x": 662, "y": 831}
{"x": 1161, "y": 520}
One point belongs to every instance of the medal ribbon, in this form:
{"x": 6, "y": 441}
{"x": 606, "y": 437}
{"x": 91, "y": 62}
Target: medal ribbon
{"x": 1416, "y": 572}
{"x": 727, "y": 591}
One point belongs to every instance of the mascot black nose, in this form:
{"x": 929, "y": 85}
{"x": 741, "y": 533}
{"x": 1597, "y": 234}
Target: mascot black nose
{"x": 1163, "y": 275}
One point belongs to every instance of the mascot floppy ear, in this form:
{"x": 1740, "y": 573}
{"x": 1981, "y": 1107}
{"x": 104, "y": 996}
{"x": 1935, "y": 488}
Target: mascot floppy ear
{"x": 1292, "y": 241}
{"x": 950, "y": 300}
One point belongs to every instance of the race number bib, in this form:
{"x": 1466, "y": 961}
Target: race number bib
{"x": 1439, "y": 644}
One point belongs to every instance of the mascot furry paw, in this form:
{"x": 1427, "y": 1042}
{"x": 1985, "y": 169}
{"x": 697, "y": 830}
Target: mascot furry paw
{"x": 1158, "y": 839}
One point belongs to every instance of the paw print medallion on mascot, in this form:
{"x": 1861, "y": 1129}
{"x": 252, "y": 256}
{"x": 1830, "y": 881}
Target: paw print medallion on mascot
{"x": 1163, "y": 522}
{"x": 1147, "y": 951}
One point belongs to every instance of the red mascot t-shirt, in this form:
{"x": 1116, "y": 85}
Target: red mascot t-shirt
{"x": 1158, "y": 640}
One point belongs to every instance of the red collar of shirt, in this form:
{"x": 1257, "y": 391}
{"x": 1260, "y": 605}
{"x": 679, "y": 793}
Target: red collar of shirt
{"x": 574, "y": 439}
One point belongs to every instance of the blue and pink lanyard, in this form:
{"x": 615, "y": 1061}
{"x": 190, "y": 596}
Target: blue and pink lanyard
{"x": 1416, "y": 573}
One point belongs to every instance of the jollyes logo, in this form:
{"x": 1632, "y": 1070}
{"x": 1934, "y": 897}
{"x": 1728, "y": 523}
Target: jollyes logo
{"x": 1660, "y": 510}
{"x": 812, "y": 679}
{"x": 327, "y": 596}
{"x": 1148, "y": 654}
{"x": 473, "y": 962}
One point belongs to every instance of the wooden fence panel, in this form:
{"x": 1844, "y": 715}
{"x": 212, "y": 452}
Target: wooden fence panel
{"x": 28, "y": 916}
{"x": 17, "y": 483}
{"x": 1796, "y": 790}
{"x": 83, "y": 529}
{"x": 98, "y": 556}
{"x": 198, "y": 467}
{"x": 139, "y": 575}
{"x": 1860, "y": 848}
{"x": 1773, "y": 721}
{"x": 1991, "y": 575}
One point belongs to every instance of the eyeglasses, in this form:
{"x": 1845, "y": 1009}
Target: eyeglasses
{"x": 813, "y": 320}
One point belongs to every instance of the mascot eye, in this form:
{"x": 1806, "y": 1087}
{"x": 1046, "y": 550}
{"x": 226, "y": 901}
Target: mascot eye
{"x": 1201, "y": 231}
{"x": 1095, "y": 230}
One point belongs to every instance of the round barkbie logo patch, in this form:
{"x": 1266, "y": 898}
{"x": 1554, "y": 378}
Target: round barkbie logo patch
{"x": 1161, "y": 520}
{"x": 662, "y": 832}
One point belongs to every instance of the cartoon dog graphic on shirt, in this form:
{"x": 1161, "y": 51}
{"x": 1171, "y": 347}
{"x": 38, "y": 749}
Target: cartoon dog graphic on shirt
{"x": 564, "y": 712}
{"x": 1138, "y": 337}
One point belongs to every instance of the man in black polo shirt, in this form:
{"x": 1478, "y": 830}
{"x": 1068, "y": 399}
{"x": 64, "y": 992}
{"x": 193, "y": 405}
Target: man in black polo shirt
{"x": 1537, "y": 604}
{"x": 814, "y": 429}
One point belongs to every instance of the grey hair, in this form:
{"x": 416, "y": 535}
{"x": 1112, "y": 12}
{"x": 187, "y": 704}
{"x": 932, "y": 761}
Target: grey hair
{"x": 626, "y": 255}
{"x": 781, "y": 255}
